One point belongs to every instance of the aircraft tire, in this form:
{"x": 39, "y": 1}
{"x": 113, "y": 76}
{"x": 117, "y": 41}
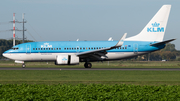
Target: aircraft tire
{"x": 23, "y": 65}
{"x": 87, "y": 65}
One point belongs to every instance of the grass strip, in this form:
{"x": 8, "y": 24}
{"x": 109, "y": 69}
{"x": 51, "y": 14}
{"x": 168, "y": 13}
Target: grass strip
{"x": 78, "y": 76}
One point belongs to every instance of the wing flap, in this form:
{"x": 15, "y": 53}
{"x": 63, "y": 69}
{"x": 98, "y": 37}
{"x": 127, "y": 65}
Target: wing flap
{"x": 93, "y": 51}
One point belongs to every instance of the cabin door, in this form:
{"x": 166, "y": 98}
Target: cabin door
{"x": 28, "y": 49}
{"x": 135, "y": 48}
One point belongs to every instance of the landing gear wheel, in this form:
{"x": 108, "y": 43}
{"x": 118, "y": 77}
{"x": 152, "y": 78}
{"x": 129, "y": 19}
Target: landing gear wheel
{"x": 87, "y": 65}
{"x": 23, "y": 65}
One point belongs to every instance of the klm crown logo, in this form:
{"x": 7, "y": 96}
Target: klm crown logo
{"x": 155, "y": 24}
{"x": 64, "y": 59}
{"x": 155, "y": 28}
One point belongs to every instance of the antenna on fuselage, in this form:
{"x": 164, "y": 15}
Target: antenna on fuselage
{"x": 77, "y": 40}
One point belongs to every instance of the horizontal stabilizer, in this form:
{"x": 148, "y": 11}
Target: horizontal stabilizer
{"x": 163, "y": 42}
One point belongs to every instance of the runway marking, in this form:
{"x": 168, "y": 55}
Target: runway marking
{"x": 126, "y": 69}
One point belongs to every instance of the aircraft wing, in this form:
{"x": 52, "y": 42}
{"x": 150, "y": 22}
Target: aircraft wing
{"x": 101, "y": 52}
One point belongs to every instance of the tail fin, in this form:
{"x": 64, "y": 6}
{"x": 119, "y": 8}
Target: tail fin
{"x": 155, "y": 29}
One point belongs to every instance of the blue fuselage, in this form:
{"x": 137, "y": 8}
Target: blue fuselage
{"x": 131, "y": 48}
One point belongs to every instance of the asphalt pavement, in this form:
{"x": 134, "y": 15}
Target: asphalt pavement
{"x": 126, "y": 69}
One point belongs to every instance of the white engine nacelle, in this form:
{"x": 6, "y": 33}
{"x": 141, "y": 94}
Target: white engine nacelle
{"x": 16, "y": 61}
{"x": 67, "y": 59}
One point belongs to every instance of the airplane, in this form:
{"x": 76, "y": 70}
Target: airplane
{"x": 150, "y": 39}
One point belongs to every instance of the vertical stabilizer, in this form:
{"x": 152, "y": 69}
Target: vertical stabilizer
{"x": 155, "y": 29}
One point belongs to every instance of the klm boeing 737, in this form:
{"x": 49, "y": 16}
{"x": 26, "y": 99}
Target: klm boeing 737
{"x": 72, "y": 52}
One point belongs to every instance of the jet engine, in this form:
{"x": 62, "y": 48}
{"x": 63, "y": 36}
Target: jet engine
{"x": 66, "y": 59}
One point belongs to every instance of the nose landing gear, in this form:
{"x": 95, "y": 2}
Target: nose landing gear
{"x": 87, "y": 65}
{"x": 23, "y": 65}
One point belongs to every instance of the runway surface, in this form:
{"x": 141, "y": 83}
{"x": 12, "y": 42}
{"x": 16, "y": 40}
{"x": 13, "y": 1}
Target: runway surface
{"x": 127, "y": 69}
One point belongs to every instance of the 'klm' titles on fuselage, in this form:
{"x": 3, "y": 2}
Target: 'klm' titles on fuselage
{"x": 46, "y": 45}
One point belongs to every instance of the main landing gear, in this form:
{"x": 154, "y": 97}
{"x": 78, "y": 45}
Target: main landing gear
{"x": 87, "y": 65}
{"x": 23, "y": 65}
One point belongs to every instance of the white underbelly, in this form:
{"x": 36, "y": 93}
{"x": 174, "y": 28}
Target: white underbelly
{"x": 121, "y": 55}
{"x": 52, "y": 56}
{"x": 35, "y": 56}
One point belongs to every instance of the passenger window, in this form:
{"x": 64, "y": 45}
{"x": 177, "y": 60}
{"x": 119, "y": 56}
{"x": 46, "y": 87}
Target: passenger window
{"x": 38, "y": 48}
{"x": 46, "y": 48}
{"x": 64, "y": 48}
{"x": 33, "y": 48}
{"x": 59, "y": 48}
{"x": 125, "y": 47}
{"x": 84, "y": 48}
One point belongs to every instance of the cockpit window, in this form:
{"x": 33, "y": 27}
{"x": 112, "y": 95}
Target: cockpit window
{"x": 15, "y": 48}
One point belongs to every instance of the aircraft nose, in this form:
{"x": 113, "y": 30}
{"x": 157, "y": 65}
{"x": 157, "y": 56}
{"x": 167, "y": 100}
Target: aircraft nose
{"x": 9, "y": 56}
{"x": 5, "y": 55}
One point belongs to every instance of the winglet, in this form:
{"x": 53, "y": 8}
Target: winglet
{"x": 121, "y": 41}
